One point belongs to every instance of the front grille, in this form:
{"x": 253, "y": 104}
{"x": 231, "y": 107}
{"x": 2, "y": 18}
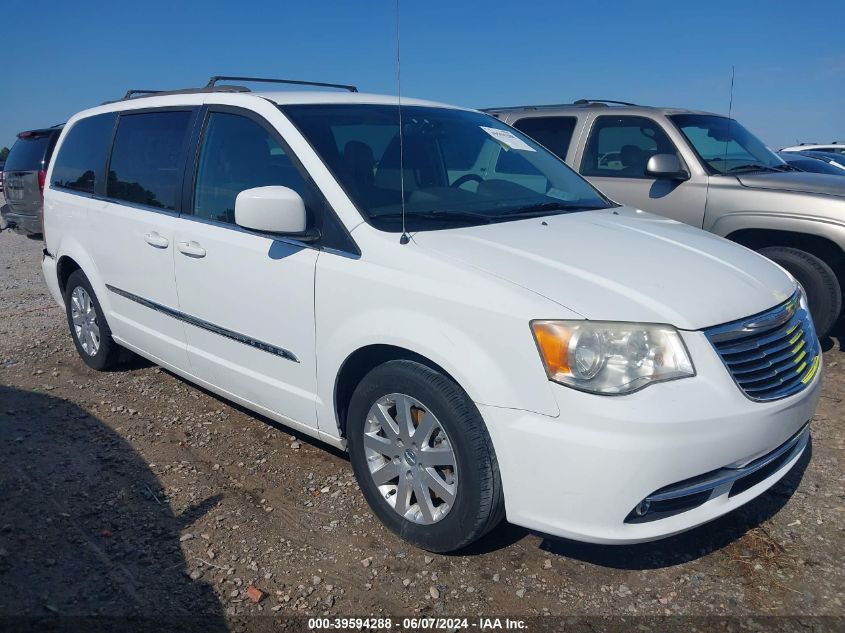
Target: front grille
{"x": 771, "y": 355}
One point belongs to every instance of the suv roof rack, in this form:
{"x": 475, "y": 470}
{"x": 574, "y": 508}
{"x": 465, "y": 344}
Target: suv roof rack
{"x": 213, "y": 81}
{"x": 212, "y": 86}
{"x": 579, "y": 102}
{"x": 601, "y": 102}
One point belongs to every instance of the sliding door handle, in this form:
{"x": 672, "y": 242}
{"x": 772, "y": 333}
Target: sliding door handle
{"x": 191, "y": 249}
{"x": 154, "y": 239}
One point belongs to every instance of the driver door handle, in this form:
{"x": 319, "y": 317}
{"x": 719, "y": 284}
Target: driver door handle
{"x": 154, "y": 239}
{"x": 191, "y": 249}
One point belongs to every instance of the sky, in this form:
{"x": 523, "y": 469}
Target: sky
{"x": 62, "y": 57}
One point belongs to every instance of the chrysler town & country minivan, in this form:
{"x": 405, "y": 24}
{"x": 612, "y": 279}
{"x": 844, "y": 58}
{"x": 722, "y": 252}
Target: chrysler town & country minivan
{"x": 486, "y": 333}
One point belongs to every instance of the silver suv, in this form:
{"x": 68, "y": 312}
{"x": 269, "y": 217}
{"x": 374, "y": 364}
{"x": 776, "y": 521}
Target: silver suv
{"x": 709, "y": 171}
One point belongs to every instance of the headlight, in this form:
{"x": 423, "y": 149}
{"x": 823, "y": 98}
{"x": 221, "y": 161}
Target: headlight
{"x": 611, "y": 358}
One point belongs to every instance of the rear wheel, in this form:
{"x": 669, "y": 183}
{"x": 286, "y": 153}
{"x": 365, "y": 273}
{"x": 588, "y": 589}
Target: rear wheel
{"x": 88, "y": 326}
{"x": 824, "y": 293}
{"x": 422, "y": 457}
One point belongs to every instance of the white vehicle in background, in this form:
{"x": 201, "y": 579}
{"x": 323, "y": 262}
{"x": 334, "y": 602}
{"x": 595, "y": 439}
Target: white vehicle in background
{"x": 486, "y": 333}
{"x": 835, "y": 147}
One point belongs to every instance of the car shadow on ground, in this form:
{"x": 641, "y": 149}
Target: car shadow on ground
{"x": 693, "y": 544}
{"x": 86, "y": 528}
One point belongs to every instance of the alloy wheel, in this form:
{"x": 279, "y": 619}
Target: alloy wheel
{"x": 410, "y": 458}
{"x": 84, "y": 317}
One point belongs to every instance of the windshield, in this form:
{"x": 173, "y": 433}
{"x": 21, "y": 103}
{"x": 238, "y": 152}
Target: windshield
{"x": 725, "y": 146}
{"x": 459, "y": 167}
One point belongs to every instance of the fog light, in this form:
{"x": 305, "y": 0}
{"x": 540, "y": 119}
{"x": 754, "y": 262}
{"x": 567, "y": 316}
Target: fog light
{"x": 642, "y": 508}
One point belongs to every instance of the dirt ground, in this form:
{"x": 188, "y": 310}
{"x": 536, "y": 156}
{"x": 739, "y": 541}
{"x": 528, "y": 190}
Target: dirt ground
{"x": 134, "y": 492}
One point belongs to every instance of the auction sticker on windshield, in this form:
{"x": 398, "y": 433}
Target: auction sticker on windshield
{"x": 508, "y": 138}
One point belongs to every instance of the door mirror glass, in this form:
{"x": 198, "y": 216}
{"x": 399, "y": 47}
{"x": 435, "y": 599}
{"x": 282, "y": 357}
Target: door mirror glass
{"x": 666, "y": 166}
{"x": 273, "y": 209}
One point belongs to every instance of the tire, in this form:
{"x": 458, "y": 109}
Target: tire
{"x": 106, "y": 353}
{"x": 478, "y": 503}
{"x": 824, "y": 293}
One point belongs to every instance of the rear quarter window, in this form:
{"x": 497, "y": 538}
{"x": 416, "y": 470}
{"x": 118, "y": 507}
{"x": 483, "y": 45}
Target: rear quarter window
{"x": 81, "y": 162}
{"x": 552, "y": 132}
{"x": 28, "y": 153}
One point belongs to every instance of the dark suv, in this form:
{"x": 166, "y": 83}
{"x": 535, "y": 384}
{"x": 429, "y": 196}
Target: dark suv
{"x": 23, "y": 179}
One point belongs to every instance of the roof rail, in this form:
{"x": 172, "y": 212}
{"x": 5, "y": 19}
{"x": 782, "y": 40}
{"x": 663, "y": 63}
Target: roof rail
{"x": 141, "y": 94}
{"x": 212, "y": 86}
{"x": 211, "y": 82}
{"x": 526, "y": 107}
{"x": 580, "y": 102}
{"x": 600, "y": 101}
{"x": 131, "y": 93}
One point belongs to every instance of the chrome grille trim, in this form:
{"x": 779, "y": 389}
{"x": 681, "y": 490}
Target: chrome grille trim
{"x": 770, "y": 355}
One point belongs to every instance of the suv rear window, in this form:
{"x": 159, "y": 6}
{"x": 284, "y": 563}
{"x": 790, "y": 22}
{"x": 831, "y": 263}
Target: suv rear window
{"x": 28, "y": 153}
{"x": 81, "y": 162}
{"x": 146, "y": 165}
{"x": 552, "y": 132}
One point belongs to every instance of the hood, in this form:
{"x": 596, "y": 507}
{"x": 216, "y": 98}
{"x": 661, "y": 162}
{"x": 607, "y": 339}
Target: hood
{"x": 797, "y": 181}
{"x": 621, "y": 265}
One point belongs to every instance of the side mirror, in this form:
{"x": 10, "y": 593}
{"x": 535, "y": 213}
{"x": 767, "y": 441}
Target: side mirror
{"x": 666, "y": 166}
{"x": 271, "y": 210}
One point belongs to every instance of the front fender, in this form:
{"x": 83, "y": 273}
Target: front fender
{"x": 828, "y": 228}
{"x": 477, "y": 330}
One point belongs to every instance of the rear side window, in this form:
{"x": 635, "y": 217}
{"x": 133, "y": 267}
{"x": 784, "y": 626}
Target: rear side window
{"x": 28, "y": 153}
{"x": 552, "y": 132}
{"x": 147, "y": 158}
{"x": 81, "y": 162}
{"x": 621, "y": 146}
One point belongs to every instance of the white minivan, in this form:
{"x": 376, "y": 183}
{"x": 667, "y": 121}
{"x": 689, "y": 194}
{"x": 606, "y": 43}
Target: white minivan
{"x": 486, "y": 333}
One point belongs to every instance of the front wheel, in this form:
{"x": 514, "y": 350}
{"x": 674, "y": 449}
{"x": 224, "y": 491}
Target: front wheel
{"x": 824, "y": 293}
{"x": 422, "y": 457}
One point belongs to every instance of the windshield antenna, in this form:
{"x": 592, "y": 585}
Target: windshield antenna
{"x": 730, "y": 109}
{"x": 405, "y": 237}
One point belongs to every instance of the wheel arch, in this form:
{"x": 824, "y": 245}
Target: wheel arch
{"x": 73, "y": 256}
{"x": 822, "y": 247}
{"x": 363, "y": 360}
{"x": 65, "y": 267}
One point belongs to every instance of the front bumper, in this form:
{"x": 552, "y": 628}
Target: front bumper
{"x": 582, "y": 474}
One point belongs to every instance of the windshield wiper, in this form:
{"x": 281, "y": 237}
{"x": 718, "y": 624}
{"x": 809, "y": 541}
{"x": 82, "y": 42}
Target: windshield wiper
{"x": 543, "y": 208}
{"x": 752, "y": 167}
{"x": 447, "y": 216}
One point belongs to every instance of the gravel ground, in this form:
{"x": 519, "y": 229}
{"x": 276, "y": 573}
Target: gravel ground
{"x": 134, "y": 492}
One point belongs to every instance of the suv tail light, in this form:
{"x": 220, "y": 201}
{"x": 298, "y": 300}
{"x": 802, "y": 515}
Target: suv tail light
{"x": 42, "y": 179}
